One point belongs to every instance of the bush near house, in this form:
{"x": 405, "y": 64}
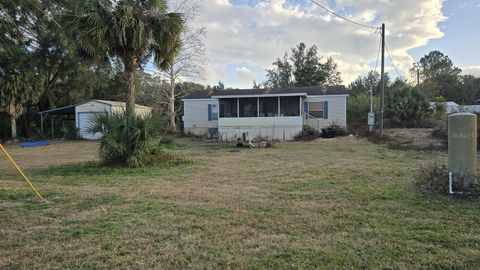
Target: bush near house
{"x": 128, "y": 139}
{"x": 441, "y": 129}
{"x": 358, "y": 108}
{"x": 407, "y": 107}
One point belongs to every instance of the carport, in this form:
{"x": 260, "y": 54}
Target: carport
{"x": 82, "y": 113}
{"x": 67, "y": 111}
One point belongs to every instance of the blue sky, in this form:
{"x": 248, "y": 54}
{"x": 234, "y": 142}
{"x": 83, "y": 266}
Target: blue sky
{"x": 462, "y": 34}
{"x": 245, "y": 36}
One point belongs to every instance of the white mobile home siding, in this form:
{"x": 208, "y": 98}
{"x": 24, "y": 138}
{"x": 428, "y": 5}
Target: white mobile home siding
{"x": 337, "y": 111}
{"x": 280, "y": 128}
{"x": 195, "y": 116}
{"x": 196, "y": 119}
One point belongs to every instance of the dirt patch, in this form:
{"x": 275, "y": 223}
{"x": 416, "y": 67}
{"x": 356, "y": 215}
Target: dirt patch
{"x": 414, "y": 138}
{"x": 42, "y": 157}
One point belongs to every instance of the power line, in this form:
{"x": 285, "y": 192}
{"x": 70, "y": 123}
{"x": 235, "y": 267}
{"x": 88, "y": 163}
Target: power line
{"x": 391, "y": 61}
{"x": 342, "y": 17}
{"x": 378, "y": 55}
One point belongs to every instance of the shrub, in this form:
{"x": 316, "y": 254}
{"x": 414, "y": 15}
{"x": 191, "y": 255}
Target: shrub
{"x": 374, "y": 137}
{"x": 441, "y": 127}
{"x": 339, "y": 131}
{"x": 358, "y": 108}
{"x": 308, "y": 133}
{"x": 439, "y": 108}
{"x": 433, "y": 178}
{"x": 407, "y": 104}
{"x": 128, "y": 140}
{"x": 413, "y": 123}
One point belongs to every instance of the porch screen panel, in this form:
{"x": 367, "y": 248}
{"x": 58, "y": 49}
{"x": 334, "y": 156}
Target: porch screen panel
{"x": 248, "y": 107}
{"x": 268, "y": 107}
{"x": 289, "y": 106}
{"x": 228, "y": 107}
{"x": 316, "y": 109}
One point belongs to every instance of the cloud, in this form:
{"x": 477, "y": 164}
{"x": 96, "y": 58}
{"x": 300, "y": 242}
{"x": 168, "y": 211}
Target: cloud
{"x": 257, "y": 33}
{"x": 471, "y": 70}
{"x": 245, "y": 75}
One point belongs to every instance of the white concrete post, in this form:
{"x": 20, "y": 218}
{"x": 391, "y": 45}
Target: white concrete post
{"x": 462, "y": 147}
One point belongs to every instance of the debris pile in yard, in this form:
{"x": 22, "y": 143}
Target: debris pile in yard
{"x": 257, "y": 143}
{"x": 308, "y": 133}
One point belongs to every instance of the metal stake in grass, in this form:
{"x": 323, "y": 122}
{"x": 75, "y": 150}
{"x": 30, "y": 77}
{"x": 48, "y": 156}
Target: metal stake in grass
{"x": 462, "y": 147}
{"x": 21, "y": 172}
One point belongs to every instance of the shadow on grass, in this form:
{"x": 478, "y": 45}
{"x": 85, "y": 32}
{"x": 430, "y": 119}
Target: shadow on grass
{"x": 24, "y": 194}
{"x": 99, "y": 169}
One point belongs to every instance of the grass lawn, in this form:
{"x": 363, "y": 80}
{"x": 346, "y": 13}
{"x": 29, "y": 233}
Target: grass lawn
{"x": 341, "y": 203}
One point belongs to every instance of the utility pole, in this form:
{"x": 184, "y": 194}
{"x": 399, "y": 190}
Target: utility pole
{"x": 371, "y": 117}
{"x": 416, "y": 68}
{"x": 418, "y": 76}
{"x": 382, "y": 80}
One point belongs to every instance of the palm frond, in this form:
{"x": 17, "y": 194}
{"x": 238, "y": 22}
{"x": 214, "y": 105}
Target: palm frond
{"x": 128, "y": 139}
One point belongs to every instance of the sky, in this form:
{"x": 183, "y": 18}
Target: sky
{"x": 245, "y": 36}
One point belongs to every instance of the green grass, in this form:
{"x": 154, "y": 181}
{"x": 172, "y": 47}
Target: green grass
{"x": 343, "y": 204}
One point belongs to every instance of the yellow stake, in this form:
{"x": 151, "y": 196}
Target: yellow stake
{"x": 20, "y": 171}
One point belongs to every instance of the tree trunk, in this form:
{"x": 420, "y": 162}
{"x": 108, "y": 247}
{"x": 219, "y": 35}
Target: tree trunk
{"x": 13, "y": 123}
{"x": 171, "y": 101}
{"x": 130, "y": 98}
{"x": 130, "y": 68}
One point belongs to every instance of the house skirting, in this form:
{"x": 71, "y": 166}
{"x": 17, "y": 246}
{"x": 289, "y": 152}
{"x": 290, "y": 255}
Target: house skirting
{"x": 253, "y": 132}
{"x": 196, "y": 131}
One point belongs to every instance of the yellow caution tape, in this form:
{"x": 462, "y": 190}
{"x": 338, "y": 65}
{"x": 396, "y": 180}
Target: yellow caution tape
{"x": 20, "y": 171}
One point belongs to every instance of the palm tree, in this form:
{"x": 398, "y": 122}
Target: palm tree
{"x": 15, "y": 91}
{"x": 132, "y": 30}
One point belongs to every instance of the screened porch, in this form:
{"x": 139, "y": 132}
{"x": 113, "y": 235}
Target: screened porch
{"x": 248, "y": 107}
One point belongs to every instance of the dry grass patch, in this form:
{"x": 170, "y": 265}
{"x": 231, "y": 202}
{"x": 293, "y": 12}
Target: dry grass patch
{"x": 340, "y": 203}
{"x": 56, "y": 154}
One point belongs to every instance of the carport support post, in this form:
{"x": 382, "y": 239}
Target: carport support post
{"x": 52, "y": 128}
{"x": 41, "y": 123}
{"x": 42, "y": 118}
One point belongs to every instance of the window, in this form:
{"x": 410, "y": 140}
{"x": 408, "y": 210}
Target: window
{"x": 212, "y": 112}
{"x": 228, "y": 107}
{"x": 248, "y": 107}
{"x": 316, "y": 109}
{"x": 268, "y": 106}
{"x": 289, "y": 106}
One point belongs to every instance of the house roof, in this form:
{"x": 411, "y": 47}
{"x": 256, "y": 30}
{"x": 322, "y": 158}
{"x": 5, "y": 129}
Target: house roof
{"x": 310, "y": 91}
{"x": 116, "y": 103}
{"x": 70, "y": 109}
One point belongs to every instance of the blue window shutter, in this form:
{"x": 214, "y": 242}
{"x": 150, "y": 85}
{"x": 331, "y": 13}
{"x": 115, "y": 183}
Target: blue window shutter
{"x": 325, "y": 110}
{"x": 305, "y": 109}
{"x": 209, "y": 112}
